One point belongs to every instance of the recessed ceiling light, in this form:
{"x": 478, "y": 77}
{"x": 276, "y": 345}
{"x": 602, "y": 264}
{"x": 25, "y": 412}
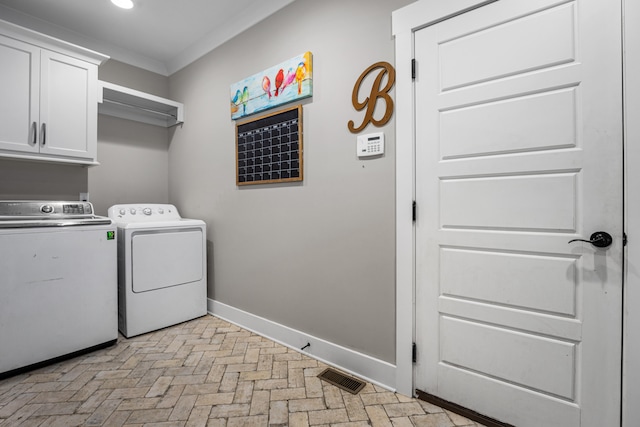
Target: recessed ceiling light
{"x": 125, "y": 4}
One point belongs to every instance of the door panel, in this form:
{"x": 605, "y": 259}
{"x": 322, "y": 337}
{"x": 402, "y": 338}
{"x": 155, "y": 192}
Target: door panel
{"x": 509, "y": 202}
{"x": 19, "y": 95}
{"x": 542, "y": 121}
{"x": 545, "y": 37}
{"x": 68, "y": 109}
{"x": 160, "y": 259}
{"x": 524, "y": 280}
{"x": 518, "y": 151}
{"x": 504, "y": 354}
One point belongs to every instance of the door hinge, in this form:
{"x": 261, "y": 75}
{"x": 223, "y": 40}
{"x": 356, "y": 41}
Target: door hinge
{"x": 413, "y": 69}
{"x": 414, "y": 353}
{"x": 624, "y": 239}
{"x": 414, "y": 209}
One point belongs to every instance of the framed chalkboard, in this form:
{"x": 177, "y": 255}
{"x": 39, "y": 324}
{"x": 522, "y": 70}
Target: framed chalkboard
{"x": 269, "y": 148}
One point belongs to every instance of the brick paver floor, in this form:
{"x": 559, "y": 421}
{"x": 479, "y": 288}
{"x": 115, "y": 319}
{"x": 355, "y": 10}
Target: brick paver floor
{"x": 206, "y": 372}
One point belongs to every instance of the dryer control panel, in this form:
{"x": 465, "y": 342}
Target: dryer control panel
{"x": 143, "y": 213}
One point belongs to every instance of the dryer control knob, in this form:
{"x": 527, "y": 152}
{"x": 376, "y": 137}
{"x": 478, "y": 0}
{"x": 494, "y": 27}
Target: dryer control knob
{"x": 147, "y": 211}
{"x": 160, "y": 211}
{"x": 133, "y": 211}
{"x": 123, "y": 211}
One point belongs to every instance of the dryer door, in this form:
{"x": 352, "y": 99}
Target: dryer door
{"x": 164, "y": 258}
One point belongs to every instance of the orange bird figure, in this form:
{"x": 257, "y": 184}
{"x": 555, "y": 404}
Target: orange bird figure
{"x": 300, "y": 73}
{"x": 266, "y": 85}
{"x": 279, "y": 79}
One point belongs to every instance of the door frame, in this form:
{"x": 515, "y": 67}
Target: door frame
{"x": 421, "y": 14}
{"x": 631, "y": 302}
{"x": 404, "y": 23}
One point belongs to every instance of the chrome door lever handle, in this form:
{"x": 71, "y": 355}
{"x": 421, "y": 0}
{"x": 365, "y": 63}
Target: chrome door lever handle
{"x": 599, "y": 239}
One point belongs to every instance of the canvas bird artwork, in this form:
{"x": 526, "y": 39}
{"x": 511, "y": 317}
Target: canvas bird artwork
{"x": 286, "y": 82}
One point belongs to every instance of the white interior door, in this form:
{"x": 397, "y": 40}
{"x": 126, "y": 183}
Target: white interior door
{"x": 518, "y": 151}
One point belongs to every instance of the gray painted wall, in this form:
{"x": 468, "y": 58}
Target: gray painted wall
{"x": 23, "y": 180}
{"x": 317, "y": 256}
{"x": 133, "y": 156}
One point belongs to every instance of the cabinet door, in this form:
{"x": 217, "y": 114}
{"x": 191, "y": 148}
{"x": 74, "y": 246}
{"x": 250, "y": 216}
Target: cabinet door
{"x": 19, "y": 92}
{"x": 68, "y": 106}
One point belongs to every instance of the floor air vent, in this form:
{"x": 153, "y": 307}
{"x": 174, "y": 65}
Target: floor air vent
{"x": 342, "y": 381}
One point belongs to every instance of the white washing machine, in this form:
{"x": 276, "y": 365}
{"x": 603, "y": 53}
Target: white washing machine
{"x": 162, "y": 267}
{"x": 58, "y": 291}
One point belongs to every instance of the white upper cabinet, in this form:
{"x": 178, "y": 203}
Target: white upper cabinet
{"x": 48, "y": 98}
{"x": 19, "y": 95}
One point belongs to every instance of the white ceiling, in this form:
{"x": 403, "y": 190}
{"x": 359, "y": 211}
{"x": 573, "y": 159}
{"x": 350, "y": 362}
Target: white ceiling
{"x": 162, "y": 36}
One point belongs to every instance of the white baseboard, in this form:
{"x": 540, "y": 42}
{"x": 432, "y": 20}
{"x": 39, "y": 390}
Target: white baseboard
{"x": 366, "y": 367}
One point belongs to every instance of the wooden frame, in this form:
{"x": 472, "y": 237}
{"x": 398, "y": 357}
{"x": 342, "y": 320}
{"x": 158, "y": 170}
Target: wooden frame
{"x": 269, "y": 148}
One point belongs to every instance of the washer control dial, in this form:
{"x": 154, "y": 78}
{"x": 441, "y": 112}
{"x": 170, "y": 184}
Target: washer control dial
{"x": 146, "y": 211}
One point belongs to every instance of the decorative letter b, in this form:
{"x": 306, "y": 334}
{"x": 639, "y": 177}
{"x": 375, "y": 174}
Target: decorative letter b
{"x": 376, "y": 92}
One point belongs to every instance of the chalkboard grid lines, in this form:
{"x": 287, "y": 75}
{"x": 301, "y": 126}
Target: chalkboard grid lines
{"x": 268, "y": 149}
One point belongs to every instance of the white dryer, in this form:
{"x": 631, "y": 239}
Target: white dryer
{"x": 162, "y": 267}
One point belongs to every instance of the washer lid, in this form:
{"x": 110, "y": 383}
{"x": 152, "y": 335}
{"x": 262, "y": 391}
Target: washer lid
{"x": 36, "y": 209}
{"x": 37, "y": 214}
